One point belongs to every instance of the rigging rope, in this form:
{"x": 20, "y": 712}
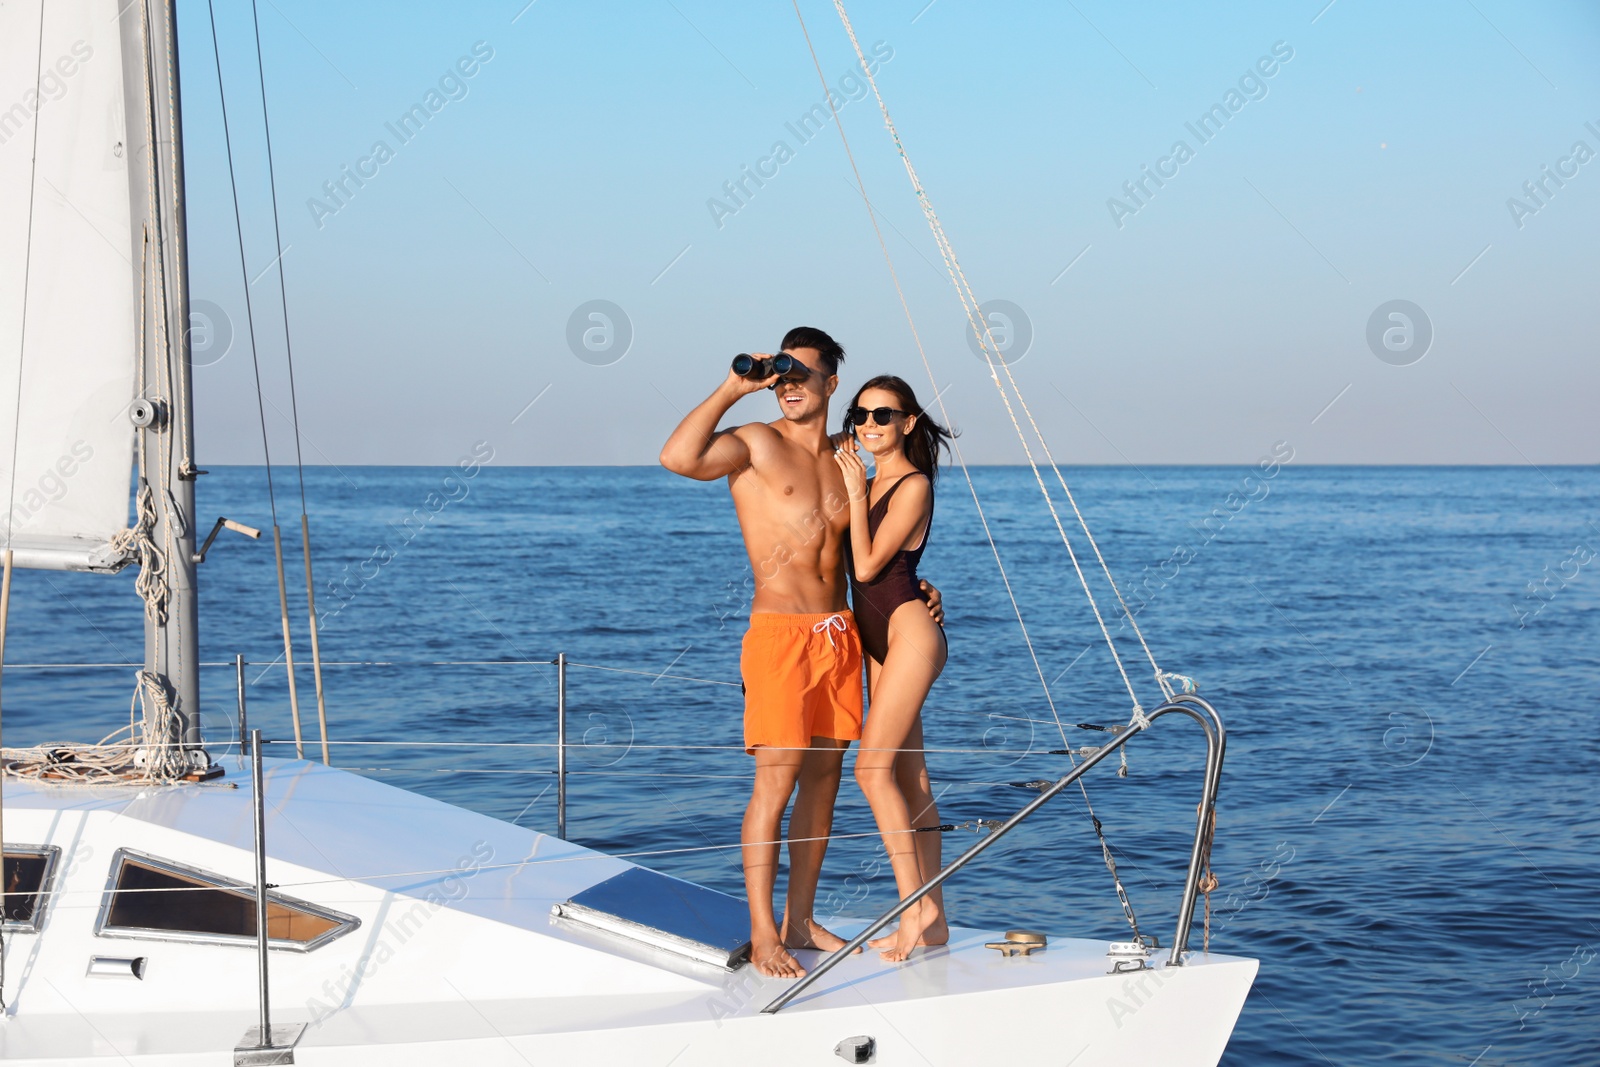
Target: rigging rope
{"x": 261, "y": 410}
{"x": 294, "y": 402}
{"x": 1208, "y": 882}
{"x": 27, "y": 273}
{"x": 186, "y": 463}
{"x": 993, "y": 357}
{"x": 938, "y": 396}
{"x": 151, "y": 585}
{"x": 16, "y": 427}
{"x": 244, "y": 272}
{"x": 949, "y": 256}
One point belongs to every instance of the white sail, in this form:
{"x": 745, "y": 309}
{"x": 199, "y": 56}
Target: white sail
{"x": 69, "y": 335}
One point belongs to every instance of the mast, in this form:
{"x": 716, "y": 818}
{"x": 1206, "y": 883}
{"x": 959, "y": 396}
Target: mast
{"x": 164, "y": 494}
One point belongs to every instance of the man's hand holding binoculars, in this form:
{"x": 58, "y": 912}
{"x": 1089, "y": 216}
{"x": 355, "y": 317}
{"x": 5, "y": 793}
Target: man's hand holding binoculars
{"x": 752, "y": 373}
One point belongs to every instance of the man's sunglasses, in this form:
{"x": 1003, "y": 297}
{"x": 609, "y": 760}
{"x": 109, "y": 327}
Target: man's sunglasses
{"x": 881, "y": 416}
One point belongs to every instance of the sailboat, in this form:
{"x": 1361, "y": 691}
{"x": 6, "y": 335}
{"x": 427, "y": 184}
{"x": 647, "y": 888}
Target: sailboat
{"x": 165, "y": 905}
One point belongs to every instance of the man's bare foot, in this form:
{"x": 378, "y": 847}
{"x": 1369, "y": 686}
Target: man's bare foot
{"x": 914, "y": 923}
{"x": 769, "y": 958}
{"x": 808, "y": 933}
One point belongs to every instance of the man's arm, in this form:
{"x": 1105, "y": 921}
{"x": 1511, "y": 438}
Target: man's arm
{"x": 696, "y": 449}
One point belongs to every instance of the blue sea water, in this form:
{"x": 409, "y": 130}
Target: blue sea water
{"x": 1405, "y": 658}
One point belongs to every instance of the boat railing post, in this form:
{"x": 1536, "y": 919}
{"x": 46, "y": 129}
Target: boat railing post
{"x": 258, "y": 802}
{"x": 258, "y": 794}
{"x": 261, "y": 1046}
{"x": 244, "y": 720}
{"x": 561, "y": 745}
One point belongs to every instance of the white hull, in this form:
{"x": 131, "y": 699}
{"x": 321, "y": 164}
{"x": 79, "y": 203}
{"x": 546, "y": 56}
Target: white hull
{"x": 464, "y": 964}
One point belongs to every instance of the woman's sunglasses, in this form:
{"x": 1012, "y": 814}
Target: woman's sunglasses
{"x": 881, "y": 416}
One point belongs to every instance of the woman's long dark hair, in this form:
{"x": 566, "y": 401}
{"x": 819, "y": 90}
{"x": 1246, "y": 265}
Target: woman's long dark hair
{"x": 926, "y": 438}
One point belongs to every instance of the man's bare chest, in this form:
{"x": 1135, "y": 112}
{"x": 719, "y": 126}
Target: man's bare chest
{"x": 797, "y": 493}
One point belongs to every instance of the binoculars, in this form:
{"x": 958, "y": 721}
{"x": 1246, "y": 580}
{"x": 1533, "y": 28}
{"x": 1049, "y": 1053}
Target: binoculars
{"x": 748, "y": 366}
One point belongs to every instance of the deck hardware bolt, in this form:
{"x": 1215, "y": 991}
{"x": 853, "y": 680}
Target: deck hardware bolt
{"x": 858, "y": 1049}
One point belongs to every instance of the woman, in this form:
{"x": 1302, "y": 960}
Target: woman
{"x": 905, "y": 649}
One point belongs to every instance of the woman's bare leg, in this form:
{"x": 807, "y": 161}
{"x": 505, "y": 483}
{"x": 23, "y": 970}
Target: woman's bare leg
{"x": 873, "y": 667}
{"x": 911, "y": 775}
{"x": 900, "y": 685}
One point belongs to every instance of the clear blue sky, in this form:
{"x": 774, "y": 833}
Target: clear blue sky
{"x": 1223, "y": 314}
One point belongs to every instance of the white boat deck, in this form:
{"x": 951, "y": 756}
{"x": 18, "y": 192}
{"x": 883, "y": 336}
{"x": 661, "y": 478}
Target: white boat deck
{"x": 457, "y": 955}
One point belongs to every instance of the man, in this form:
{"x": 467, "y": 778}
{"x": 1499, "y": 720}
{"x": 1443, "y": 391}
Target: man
{"x": 801, "y": 659}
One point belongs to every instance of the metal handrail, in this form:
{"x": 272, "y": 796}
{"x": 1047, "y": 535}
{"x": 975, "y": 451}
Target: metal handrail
{"x": 1216, "y": 742}
{"x": 1203, "y": 816}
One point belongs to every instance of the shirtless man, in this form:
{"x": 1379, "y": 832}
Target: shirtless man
{"x": 801, "y": 659}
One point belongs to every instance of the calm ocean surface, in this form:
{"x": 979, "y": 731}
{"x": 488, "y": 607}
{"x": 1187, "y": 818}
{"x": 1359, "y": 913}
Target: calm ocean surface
{"x": 1407, "y": 833}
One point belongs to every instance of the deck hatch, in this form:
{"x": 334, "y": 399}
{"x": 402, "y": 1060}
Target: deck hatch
{"x": 153, "y": 899}
{"x": 646, "y": 907}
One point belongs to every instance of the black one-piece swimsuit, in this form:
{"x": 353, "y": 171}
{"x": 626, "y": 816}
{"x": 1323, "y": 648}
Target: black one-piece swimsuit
{"x": 873, "y": 602}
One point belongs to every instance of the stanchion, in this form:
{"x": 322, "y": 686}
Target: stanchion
{"x": 561, "y": 745}
{"x": 244, "y": 720}
{"x": 262, "y": 1045}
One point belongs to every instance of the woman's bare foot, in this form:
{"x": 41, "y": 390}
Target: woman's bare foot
{"x": 808, "y": 933}
{"x": 914, "y": 922}
{"x": 937, "y": 933}
{"x": 770, "y": 959}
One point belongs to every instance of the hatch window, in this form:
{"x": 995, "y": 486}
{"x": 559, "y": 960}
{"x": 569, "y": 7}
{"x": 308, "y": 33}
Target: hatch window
{"x": 27, "y": 873}
{"x": 158, "y": 899}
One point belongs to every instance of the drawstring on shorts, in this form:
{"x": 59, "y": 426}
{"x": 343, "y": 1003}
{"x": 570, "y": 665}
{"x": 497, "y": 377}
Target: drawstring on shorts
{"x": 827, "y": 626}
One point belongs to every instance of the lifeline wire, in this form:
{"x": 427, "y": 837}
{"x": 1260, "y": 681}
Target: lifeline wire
{"x": 581, "y": 855}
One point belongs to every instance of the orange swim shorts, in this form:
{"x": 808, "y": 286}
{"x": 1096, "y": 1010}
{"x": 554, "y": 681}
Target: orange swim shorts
{"x": 802, "y": 679}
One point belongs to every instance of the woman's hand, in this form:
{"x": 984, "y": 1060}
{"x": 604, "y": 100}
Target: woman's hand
{"x": 933, "y": 599}
{"x": 844, "y": 439}
{"x": 854, "y": 471}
